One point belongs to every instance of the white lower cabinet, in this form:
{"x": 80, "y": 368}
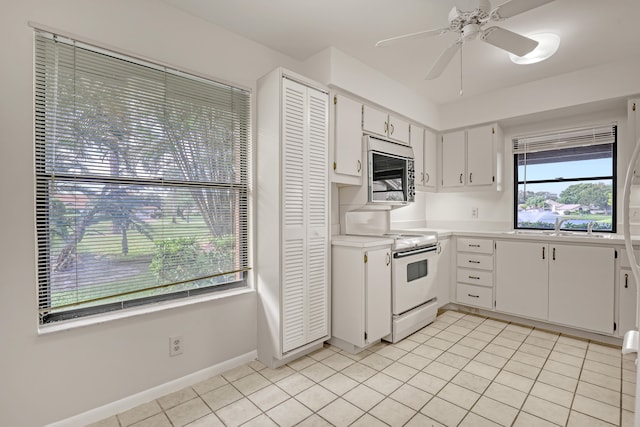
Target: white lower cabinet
{"x": 576, "y": 281}
{"x": 361, "y": 296}
{"x": 581, "y": 287}
{"x": 444, "y": 273}
{"x": 474, "y": 272}
{"x": 627, "y": 297}
{"x": 522, "y": 284}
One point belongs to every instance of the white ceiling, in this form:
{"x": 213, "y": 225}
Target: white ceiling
{"x": 592, "y": 32}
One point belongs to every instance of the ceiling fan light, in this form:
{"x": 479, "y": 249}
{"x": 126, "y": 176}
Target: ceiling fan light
{"x": 548, "y": 44}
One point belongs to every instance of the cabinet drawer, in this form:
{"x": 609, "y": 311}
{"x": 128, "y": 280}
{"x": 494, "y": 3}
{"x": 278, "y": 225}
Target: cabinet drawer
{"x": 484, "y": 262}
{"x": 481, "y": 246}
{"x": 475, "y": 295}
{"x": 475, "y": 277}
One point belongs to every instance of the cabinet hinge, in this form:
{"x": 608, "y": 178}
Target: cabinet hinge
{"x": 493, "y": 179}
{"x": 633, "y": 108}
{"x": 615, "y": 326}
{"x": 335, "y": 99}
{"x": 493, "y": 130}
{"x": 495, "y": 302}
{"x": 334, "y": 166}
{"x": 365, "y": 336}
{"x": 366, "y": 258}
{"x": 615, "y": 253}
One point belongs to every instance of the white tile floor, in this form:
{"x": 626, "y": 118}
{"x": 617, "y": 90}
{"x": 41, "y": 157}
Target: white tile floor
{"x": 462, "y": 370}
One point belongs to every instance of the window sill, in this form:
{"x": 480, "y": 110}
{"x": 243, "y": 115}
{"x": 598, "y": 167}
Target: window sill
{"x": 66, "y": 325}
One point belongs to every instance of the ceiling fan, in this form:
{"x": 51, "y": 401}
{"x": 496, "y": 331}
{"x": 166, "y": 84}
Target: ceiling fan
{"x": 467, "y": 19}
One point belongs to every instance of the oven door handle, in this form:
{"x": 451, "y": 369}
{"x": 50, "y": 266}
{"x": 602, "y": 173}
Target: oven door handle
{"x": 418, "y": 251}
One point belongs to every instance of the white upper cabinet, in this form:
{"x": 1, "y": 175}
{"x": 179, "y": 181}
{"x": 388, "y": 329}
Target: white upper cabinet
{"x": 472, "y": 159}
{"x": 381, "y": 123}
{"x": 417, "y": 144}
{"x": 423, "y": 142}
{"x": 453, "y": 159}
{"x": 347, "y": 141}
{"x": 480, "y": 156}
{"x": 430, "y": 160}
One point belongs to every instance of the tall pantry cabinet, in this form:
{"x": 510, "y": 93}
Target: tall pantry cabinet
{"x": 292, "y": 217}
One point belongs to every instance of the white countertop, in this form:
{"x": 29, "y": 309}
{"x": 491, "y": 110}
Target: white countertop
{"x": 610, "y": 239}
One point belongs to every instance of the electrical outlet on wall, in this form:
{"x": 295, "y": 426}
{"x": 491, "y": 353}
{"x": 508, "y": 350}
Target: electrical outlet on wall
{"x": 474, "y": 212}
{"x": 175, "y": 346}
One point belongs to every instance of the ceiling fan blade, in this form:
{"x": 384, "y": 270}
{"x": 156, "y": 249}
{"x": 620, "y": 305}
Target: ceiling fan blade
{"x": 443, "y": 60}
{"x": 516, "y": 7}
{"x": 426, "y": 33}
{"x": 508, "y": 40}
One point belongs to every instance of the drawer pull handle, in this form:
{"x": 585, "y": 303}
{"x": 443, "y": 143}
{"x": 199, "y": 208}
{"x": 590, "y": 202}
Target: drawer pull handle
{"x": 474, "y": 296}
{"x": 474, "y": 246}
{"x": 474, "y": 262}
{"x": 626, "y": 280}
{"x": 474, "y": 277}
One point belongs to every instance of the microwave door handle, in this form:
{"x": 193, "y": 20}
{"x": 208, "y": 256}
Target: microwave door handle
{"x": 418, "y": 251}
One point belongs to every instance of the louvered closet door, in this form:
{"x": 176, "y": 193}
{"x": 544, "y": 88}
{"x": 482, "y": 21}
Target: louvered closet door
{"x": 317, "y": 214}
{"x": 305, "y": 222}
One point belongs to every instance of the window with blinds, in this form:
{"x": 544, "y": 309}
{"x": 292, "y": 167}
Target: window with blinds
{"x": 142, "y": 181}
{"x": 568, "y": 174}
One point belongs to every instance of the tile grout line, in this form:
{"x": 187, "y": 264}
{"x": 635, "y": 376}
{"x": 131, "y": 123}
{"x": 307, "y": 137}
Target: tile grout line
{"x": 442, "y": 327}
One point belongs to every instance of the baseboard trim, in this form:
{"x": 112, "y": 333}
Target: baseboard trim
{"x": 113, "y": 408}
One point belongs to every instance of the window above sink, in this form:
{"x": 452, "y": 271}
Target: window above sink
{"x": 569, "y": 175}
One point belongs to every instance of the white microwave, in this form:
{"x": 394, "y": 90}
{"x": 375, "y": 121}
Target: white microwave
{"x": 391, "y": 173}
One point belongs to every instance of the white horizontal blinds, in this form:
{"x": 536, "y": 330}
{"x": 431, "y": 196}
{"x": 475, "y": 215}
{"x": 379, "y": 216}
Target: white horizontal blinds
{"x": 564, "y": 139}
{"x": 142, "y": 179}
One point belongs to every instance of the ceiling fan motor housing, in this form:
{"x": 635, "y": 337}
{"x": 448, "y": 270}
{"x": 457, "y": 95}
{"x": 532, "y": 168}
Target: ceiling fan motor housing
{"x": 466, "y": 13}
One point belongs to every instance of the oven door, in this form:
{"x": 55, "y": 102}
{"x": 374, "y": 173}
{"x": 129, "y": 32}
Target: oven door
{"x": 413, "y": 278}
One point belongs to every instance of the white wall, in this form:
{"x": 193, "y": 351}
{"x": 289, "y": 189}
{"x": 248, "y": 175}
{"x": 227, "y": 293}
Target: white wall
{"x": 51, "y": 377}
{"x": 589, "y": 85}
{"x": 333, "y": 67}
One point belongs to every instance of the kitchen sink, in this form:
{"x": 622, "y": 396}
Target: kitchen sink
{"x": 560, "y": 234}
{"x": 578, "y": 234}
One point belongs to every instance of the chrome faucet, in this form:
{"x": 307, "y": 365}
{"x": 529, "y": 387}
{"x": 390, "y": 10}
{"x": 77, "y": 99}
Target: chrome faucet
{"x": 559, "y": 222}
{"x": 590, "y": 227}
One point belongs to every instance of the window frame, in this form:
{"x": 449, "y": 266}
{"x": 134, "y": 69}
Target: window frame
{"x": 43, "y": 198}
{"x": 613, "y": 178}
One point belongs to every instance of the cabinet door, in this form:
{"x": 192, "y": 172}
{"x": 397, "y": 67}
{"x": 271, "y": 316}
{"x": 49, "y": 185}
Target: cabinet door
{"x": 293, "y": 215}
{"x": 480, "y": 156}
{"x": 317, "y": 216}
{"x": 375, "y": 121}
{"x": 305, "y": 216}
{"x": 453, "y": 159}
{"x": 522, "y": 284}
{"x": 443, "y": 275}
{"x": 581, "y": 286}
{"x": 398, "y": 130}
{"x": 627, "y": 295}
{"x": 417, "y": 144}
{"x": 430, "y": 159}
{"x": 378, "y": 294}
{"x": 348, "y": 137}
